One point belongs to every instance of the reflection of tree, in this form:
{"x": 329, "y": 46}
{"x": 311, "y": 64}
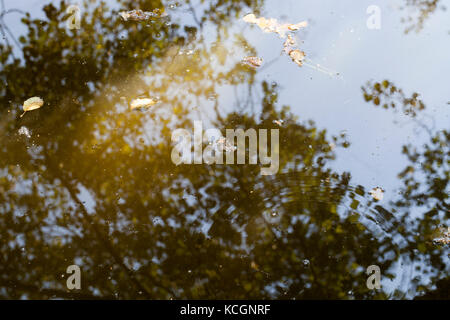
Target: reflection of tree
{"x": 5, "y": 31}
{"x": 385, "y": 93}
{"x": 425, "y": 187}
{"x": 439, "y": 293}
{"x": 389, "y": 96}
{"x": 421, "y": 10}
{"x": 94, "y": 185}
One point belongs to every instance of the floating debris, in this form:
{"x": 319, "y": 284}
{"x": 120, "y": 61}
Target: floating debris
{"x": 289, "y": 43}
{"x": 377, "y": 193}
{"x": 142, "y": 103}
{"x": 290, "y": 47}
{"x": 223, "y": 144}
{"x": 24, "y": 131}
{"x": 253, "y": 61}
{"x": 278, "y": 122}
{"x": 297, "y": 56}
{"x": 272, "y": 25}
{"x": 139, "y": 15}
{"x": 32, "y": 104}
{"x": 444, "y": 236}
{"x": 332, "y": 146}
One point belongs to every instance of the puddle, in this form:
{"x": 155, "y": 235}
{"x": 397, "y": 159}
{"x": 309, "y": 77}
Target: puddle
{"x": 361, "y": 153}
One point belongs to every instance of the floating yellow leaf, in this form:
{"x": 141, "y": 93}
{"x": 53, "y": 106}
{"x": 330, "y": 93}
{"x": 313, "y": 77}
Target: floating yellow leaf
{"x": 250, "y": 18}
{"x": 32, "y": 104}
{"x": 272, "y": 25}
{"x": 142, "y": 103}
{"x": 295, "y": 27}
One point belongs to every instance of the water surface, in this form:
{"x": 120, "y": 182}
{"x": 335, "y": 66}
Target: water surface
{"x": 84, "y": 180}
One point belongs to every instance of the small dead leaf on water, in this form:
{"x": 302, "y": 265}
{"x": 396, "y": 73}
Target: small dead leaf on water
{"x": 139, "y": 15}
{"x": 142, "y": 103}
{"x": 272, "y": 25}
{"x": 278, "y": 122}
{"x": 377, "y": 193}
{"x": 290, "y": 47}
{"x": 297, "y": 56}
{"x": 253, "y": 61}
{"x": 32, "y": 104}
